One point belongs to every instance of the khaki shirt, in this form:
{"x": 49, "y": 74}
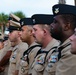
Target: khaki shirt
{"x": 67, "y": 63}
{"x": 25, "y": 67}
{"x": 15, "y": 57}
{"x": 1, "y": 51}
{"x": 7, "y": 47}
{"x": 40, "y": 63}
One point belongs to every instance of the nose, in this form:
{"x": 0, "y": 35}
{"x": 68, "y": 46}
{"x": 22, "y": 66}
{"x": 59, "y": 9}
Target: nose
{"x": 71, "y": 37}
{"x": 20, "y": 33}
{"x": 51, "y": 24}
{"x": 33, "y": 32}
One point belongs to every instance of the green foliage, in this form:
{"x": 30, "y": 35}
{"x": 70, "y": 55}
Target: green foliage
{"x": 19, "y": 14}
{"x": 4, "y": 17}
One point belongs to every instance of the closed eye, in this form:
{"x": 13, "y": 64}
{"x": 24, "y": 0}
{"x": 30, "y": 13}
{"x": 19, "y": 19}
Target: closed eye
{"x": 55, "y": 21}
{"x": 34, "y": 29}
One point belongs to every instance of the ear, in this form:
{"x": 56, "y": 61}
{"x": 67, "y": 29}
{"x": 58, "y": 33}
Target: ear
{"x": 67, "y": 26}
{"x": 18, "y": 33}
{"x": 31, "y": 32}
{"x": 45, "y": 31}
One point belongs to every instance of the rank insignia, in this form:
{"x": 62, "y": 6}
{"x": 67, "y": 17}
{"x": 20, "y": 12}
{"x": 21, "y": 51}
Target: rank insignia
{"x": 56, "y": 10}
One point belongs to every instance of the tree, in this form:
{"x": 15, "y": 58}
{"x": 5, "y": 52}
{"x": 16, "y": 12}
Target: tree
{"x": 19, "y": 14}
{"x": 62, "y": 1}
{"x": 3, "y": 21}
{"x": 75, "y": 2}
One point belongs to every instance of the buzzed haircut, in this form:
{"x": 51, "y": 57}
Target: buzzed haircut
{"x": 69, "y": 18}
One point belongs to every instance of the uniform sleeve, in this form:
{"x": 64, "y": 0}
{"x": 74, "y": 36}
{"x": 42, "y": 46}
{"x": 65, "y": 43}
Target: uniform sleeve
{"x": 66, "y": 65}
{"x": 21, "y": 48}
{"x": 18, "y": 61}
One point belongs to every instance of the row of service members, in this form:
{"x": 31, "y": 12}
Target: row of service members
{"x": 43, "y": 60}
{"x": 35, "y": 53}
{"x": 46, "y": 63}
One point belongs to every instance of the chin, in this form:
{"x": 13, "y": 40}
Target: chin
{"x": 37, "y": 41}
{"x": 22, "y": 40}
{"x": 73, "y": 51}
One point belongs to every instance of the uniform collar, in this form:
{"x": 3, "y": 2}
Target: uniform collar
{"x": 34, "y": 43}
{"x": 51, "y": 44}
{"x": 66, "y": 41}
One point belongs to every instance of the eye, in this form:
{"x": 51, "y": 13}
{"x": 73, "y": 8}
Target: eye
{"x": 22, "y": 30}
{"x": 55, "y": 21}
{"x": 34, "y": 29}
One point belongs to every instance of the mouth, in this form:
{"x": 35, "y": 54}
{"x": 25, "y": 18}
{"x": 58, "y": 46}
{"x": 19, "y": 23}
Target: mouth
{"x": 51, "y": 27}
{"x": 34, "y": 36}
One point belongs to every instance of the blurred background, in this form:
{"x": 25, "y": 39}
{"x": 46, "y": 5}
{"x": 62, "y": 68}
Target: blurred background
{"x": 26, "y": 8}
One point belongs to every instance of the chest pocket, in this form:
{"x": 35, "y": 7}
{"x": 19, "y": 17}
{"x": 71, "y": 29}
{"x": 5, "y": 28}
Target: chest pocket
{"x": 24, "y": 62}
{"x": 13, "y": 57}
{"x": 39, "y": 62}
{"x": 26, "y": 53}
{"x": 52, "y": 62}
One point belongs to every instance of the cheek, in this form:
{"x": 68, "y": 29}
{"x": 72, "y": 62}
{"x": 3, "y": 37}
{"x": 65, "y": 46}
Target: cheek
{"x": 40, "y": 36}
{"x": 73, "y": 44}
{"x": 25, "y": 35}
{"x": 73, "y": 48}
{"x": 22, "y": 34}
{"x": 0, "y": 45}
{"x": 12, "y": 36}
{"x": 40, "y": 33}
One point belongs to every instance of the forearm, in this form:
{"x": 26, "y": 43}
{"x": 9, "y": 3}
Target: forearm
{"x": 5, "y": 59}
{"x": 16, "y": 72}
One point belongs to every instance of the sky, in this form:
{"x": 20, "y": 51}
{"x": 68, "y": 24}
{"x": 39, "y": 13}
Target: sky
{"x": 29, "y": 7}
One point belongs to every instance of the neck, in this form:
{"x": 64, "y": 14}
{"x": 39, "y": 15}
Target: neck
{"x": 66, "y": 36}
{"x": 46, "y": 41}
{"x": 31, "y": 40}
{"x": 18, "y": 41}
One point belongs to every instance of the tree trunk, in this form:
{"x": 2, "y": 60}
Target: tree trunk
{"x": 62, "y": 1}
{"x": 75, "y": 2}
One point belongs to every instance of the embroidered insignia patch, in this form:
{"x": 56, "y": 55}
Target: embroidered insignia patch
{"x": 41, "y": 59}
{"x": 52, "y": 59}
{"x": 56, "y": 10}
